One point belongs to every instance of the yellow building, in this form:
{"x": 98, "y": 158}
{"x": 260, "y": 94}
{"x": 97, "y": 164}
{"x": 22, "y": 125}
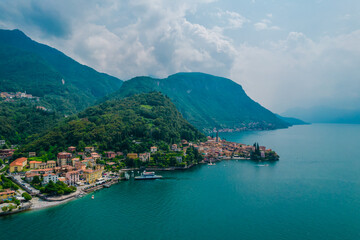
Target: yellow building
{"x": 50, "y": 164}
{"x": 132, "y": 155}
{"x": 7, "y": 194}
{"x": 92, "y": 175}
{"x": 35, "y": 164}
{"x": 18, "y": 165}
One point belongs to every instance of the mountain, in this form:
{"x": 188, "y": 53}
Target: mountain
{"x": 132, "y": 124}
{"x": 321, "y": 114}
{"x": 291, "y": 120}
{"x": 206, "y": 101}
{"x": 62, "y": 83}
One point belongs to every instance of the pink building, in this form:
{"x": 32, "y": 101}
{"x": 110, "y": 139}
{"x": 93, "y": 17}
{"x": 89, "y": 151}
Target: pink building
{"x": 72, "y": 177}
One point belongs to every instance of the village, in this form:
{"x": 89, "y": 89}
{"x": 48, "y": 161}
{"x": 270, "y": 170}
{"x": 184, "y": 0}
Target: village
{"x": 75, "y": 173}
{"x": 12, "y": 96}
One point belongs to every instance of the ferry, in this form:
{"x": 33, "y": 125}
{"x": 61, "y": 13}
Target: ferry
{"x": 148, "y": 176}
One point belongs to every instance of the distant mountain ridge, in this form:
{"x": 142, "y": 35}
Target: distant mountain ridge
{"x": 207, "y": 101}
{"x": 291, "y": 120}
{"x": 322, "y": 114}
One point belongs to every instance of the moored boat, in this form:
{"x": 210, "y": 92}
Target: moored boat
{"x": 148, "y": 176}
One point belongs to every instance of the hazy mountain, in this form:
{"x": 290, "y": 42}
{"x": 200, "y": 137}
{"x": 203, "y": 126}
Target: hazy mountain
{"x": 291, "y": 120}
{"x": 325, "y": 115}
{"x": 207, "y": 101}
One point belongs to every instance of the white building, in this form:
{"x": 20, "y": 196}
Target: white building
{"x": 2, "y": 142}
{"x": 50, "y": 177}
{"x": 153, "y": 149}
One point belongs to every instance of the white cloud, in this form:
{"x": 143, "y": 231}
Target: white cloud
{"x": 265, "y": 24}
{"x": 130, "y": 38}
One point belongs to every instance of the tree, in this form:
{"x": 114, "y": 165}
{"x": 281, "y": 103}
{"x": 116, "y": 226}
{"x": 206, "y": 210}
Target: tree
{"x": 26, "y": 196}
{"x": 4, "y": 208}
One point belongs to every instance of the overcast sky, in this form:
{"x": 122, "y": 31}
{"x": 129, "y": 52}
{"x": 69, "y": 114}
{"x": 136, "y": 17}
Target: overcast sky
{"x": 285, "y": 53}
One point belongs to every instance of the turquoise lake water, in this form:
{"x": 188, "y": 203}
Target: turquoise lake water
{"x": 313, "y": 192}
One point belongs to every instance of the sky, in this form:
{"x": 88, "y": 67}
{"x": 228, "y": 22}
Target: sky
{"x": 285, "y": 53}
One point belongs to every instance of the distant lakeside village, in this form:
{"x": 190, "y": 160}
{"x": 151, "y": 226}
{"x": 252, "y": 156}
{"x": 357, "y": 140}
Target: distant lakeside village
{"x": 33, "y": 183}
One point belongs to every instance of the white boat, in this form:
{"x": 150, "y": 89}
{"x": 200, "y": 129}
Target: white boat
{"x": 92, "y": 196}
{"x": 148, "y": 176}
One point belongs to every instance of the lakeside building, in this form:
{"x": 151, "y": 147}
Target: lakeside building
{"x": 50, "y": 177}
{"x": 91, "y": 175}
{"x": 18, "y": 165}
{"x": 72, "y": 177}
{"x": 7, "y": 194}
{"x": 144, "y": 157}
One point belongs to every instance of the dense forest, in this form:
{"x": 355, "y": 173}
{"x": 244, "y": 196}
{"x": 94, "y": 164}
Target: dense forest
{"x": 21, "y": 119}
{"x": 132, "y": 124}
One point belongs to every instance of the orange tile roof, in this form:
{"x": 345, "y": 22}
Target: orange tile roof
{"x": 35, "y": 162}
{"x": 18, "y": 162}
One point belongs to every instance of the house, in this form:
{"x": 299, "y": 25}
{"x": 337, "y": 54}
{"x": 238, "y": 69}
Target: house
{"x": 262, "y": 154}
{"x": 74, "y": 161}
{"x": 153, "y": 149}
{"x": 32, "y": 154}
{"x": 47, "y": 177}
{"x": 42, "y": 171}
{"x": 18, "y": 165}
{"x": 179, "y": 159}
{"x": 89, "y": 149}
{"x": 6, "y": 153}
{"x": 7, "y": 194}
{"x": 174, "y": 147}
{"x": 71, "y": 149}
{"x": 92, "y": 175}
{"x": 184, "y": 142}
{"x": 35, "y": 164}
{"x": 29, "y": 176}
{"x": 144, "y": 157}
{"x": 95, "y": 156}
{"x": 110, "y": 154}
{"x": 63, "y": 158}
{"x": 2, "y": 142}
{"x": 50, "y": 164}
{"x": 132, "y": 155}
{"x": 80, "y": 166}
{"x": 72, "y": 177}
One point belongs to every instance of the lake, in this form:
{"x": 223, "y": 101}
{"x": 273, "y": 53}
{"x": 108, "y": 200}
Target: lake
{"x": 313, "y": 192}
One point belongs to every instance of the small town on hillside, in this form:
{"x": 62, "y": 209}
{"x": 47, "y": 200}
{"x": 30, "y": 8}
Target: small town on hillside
{"x": 12, "y": 96}
{"x": 31, "y": 182}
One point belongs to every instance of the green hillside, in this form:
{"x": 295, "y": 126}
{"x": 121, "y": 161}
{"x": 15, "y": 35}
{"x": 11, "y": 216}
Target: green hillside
{"x": 20, "y": 120}
{"x": 64, "y": 86}
{"x": 131, "y": 124}
{"x": 40, "y": 70}
{"x": 207, "y": 101}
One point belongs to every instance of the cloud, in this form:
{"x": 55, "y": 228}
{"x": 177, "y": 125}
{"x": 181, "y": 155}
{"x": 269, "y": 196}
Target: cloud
{"x": 47, "y": 20}
{"x": 159, "y": 37}
{"x": 233, "y": 19}
{"x": 265, "y": 24}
